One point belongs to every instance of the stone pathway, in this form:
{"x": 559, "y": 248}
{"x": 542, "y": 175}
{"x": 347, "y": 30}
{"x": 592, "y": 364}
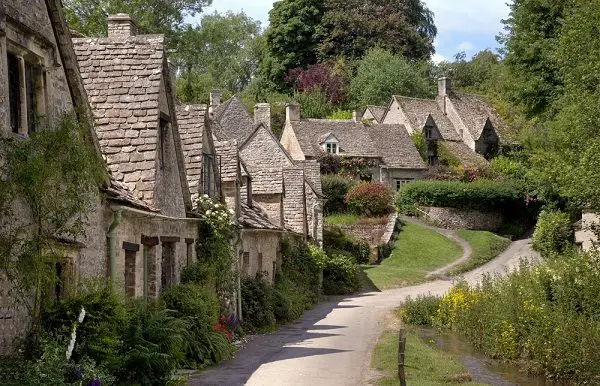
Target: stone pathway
{"x": 332, "y": 343}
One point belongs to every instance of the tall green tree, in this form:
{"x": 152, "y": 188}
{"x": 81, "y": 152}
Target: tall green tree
{"x": 152, "y": 16}
{"x": 223, "y": 52}
{"x": 293, "y": 36}
{"x": 483, "y": 74}
{"x": 351, "y": 27}
{"x": 381, "y": 74}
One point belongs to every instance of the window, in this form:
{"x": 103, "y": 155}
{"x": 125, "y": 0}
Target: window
{"x": 260, "y": 262}
{"x": 130, "y": 257}
{"x": 167, "y": 278}
{"x": 402, "y": 181}
{"x": 26, "y": 94}
{"x": 432, "y": 160}
{"x": 331, "y": 148}
{"x": 210, "y": 164}
{"x": 246, "y": 262}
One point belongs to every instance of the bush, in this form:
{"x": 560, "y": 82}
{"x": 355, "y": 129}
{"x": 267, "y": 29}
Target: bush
{"x": 289, "y": 301}
{"x": 340, "y": 275}
{"x": 257, "y": 304}
{"x": 302, "y": 264}
{"x": 335, "y": 239}
{"x": 371, "y": 199}
{"x": 420, "y": 311}
{"x": 314, "y": 103}
{"x": 197, "y": 273}
{"x": 485, "y": 196}
{"x": 553, "y": 233}
{"x": 335, "y": 189}
{"x": 330, "y": 163}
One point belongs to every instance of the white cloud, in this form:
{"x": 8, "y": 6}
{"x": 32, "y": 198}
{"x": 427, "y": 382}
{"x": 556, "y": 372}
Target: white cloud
{"x": 437, "y": 58}
{"x": 467, "y": 47}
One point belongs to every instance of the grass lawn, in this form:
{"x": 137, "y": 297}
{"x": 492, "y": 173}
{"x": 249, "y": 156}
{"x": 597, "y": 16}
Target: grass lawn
{"x": 341, "y": 219}
{"x": 486, "y": 246}
{"x": 424, "y": 365}
{"x": 417, "y": 252}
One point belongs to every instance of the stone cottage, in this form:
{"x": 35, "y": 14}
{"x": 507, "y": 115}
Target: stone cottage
{"x": 586, "y": 231}
{"x": 388, "y": 147}
{"x": 463, "y": 124}
{"x": 130, "y": 90}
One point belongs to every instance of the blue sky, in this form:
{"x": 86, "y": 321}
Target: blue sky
{"x": 463, "y": 25}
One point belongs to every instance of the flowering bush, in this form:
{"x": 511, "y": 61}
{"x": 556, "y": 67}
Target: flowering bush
{"x": 214, "y": 213}
{"x": 372, "y": 199}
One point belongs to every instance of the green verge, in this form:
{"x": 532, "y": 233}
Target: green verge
{"x": 424, "y": 365}
{"x": 341, "y": 219}
{"x": 417, "y": 251}
{"x": 485, "y": 245}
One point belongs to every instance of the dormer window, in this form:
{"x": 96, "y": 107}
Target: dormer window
{"x": 331, "y": 148}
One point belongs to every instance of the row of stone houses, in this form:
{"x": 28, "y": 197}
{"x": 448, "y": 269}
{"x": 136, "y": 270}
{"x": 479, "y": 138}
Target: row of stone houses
{"x": 142, "y": 226}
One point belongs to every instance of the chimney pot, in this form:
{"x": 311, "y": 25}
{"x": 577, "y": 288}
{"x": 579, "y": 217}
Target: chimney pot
{"x": 215, "y": 98}
{"x": 292, "y": 112}
{"x": 262, "y": 114}
{"x": 121, "y": 25}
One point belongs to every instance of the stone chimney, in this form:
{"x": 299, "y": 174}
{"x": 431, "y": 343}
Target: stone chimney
{"x": 357, "y": 116}
{"x": 292, "y": 112}
{"x": 444, "y": 88}
{"x": 215, "y": 98}
{"x": 262, "y": 114}
{"x": 121, "y": 26}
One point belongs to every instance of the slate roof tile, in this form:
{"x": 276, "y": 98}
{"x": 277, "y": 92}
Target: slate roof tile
{"x": 395, "y": 147}
{"x": 378, "y": 112}
{"x": 474, "y": 112}
{"x": 417, "y": 111}
{"x": 191, "y": 120}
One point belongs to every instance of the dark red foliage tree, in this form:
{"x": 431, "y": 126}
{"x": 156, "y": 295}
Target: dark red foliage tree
{"x": 318, "y": 76}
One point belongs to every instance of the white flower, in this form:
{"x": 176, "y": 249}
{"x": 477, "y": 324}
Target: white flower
{"x": 231, "y": 211}
{"x": 205, "y": 196}
{"x": 208, "y": 212}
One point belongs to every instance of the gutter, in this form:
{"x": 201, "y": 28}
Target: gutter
{"x": 144, "y": 213}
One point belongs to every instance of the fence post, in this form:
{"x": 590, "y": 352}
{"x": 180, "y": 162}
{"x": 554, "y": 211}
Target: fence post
{"x": 401, "y": 347}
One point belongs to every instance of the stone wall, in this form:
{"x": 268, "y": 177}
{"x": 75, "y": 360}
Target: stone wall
{"x": 294, "y": 200}
{"x": 260, "y": 253}
{"x": 452, "y": 218}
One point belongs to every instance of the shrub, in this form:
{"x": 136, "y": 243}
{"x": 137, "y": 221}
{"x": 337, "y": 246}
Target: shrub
{"x": 335, "y": 239}
{"x": 330, "y": 163}
{"x": 553, "y": 233}
{"x": 371, "y": 199}
{"x": 480, "y": 195}
{"x": 335, "y": 188}
{"x": 302, "y": 264}
{"x": 289, "y": 301}
{"x": 340, "y": 114}
{"x": 340, "y": 275}
{"x": 197, "y": 273}
{"x": 419, "y": 140}
{"x": 314, "y": 103}
{"x": 420, "y": 311}
{"x": 257, "y": 304}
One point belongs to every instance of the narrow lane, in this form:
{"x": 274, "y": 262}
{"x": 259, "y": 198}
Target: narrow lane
{"x": 332, "y": 343}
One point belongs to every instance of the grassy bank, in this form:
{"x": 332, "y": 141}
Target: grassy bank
{"x": 417, "y": 252}
{"x": 424, "y": 365}
{"x": 485, "y": 245}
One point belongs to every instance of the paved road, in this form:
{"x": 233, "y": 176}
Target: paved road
{"x": 332, "y": 343}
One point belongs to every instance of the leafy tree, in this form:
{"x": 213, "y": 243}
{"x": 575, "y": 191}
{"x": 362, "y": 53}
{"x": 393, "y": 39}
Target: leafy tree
{"x": 320, "y": 75}
{"x": 483, "y": 74}
{"x": 222, "y": 53}
{"x": 381, "y": 74}
{"x": 351, "y": 27}
{"x": 292, "y": 37}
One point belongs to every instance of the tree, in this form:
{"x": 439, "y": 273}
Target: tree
{"x": 152, "y": 16}
{"x": 381, "y": 74}
{"x": 292, "y": 37}
{"x": 318, "y": 76}
{"x": 351, "y": 27}
{"x": 221, "y": 53}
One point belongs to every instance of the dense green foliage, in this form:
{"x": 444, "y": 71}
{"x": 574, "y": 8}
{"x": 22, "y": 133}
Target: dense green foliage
{"x": 381, "y": 74}
{"x": 553, "y": 233}
{"x": 544, "y": 317}
{"x": 480, "y": 195}
{"x": 369, "y": 199}
{"x": 334, "y": 239}
{"x": 257, "y": 304}
{"x": 420, "y": 310}
{"x": 340, "y": 275}
{"x": 335, "y": 188}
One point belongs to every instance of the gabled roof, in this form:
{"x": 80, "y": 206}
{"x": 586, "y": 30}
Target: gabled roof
{"x": 254, "y": 218}
{"x": 395, "y": 147}
{"x": 474, "y": 112}
{"x": 329, "y": 137}
{"x": 122, "y": 77}
{"x": 417, "y": 110}
{"x": 234, "y": 120}
{"x": 115, "y": 191}
{"x": 353, "y": 137}
{"x": 191, "y": 121}
{"x": 378, "y": 112}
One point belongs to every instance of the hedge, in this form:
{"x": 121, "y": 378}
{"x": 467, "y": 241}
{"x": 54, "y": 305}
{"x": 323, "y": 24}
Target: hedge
{"x": 479, "y": 195}
{"x": 335, "y": 188}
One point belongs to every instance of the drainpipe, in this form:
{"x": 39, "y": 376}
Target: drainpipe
{"x": 117, "y": 216}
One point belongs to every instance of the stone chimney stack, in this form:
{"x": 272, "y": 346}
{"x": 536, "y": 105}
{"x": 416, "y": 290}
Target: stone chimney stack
{"x": 444, "y": 89}
{"x": 357, "y": 116}
{"x": 215, "y": 98}
{"x": 262, "y": 114}
{"x": 292, "y": 112}
{"x": 121, "y": 25}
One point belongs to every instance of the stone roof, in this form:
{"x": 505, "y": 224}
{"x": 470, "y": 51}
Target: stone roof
{"x": 474, "y": 112}
{"x": 229, "y": 159}
{"x": 353, "y": 137}
{"x": 267, "y": 181}
{"x": 417, "y": 111}
{"x": 116, "y": 191}
{"x": 122, "y": 77}
{"x": 378, "y": 112}
{"x": 190, "y": 120}
{"x": 234, "y": 120}
{"x": 395, "y": 147}
{"x": 312, "y": 173}
{"x": 254, "y": 218}
{"x": 464, "y": 154}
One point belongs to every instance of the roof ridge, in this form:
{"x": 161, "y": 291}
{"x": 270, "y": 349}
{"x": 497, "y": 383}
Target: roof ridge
{"x": 414, "y": 98}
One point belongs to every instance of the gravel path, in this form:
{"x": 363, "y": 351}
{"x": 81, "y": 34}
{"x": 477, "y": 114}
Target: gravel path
{"x": 332, "y": 343}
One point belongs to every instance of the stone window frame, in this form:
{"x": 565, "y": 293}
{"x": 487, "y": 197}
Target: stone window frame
{"x": 29, "y": 48}
{"x": 130, "y": 268}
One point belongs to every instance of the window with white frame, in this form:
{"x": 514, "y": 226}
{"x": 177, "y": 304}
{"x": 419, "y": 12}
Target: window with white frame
{"x": 402, "y": 181}
{"x": 331, "y": 147}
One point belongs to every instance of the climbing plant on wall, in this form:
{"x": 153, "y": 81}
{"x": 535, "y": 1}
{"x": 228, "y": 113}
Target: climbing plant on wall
{"x": 48, "y": 182}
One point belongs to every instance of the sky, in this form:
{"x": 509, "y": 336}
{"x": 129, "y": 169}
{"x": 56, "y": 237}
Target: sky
{"x": 463, "y": 25}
